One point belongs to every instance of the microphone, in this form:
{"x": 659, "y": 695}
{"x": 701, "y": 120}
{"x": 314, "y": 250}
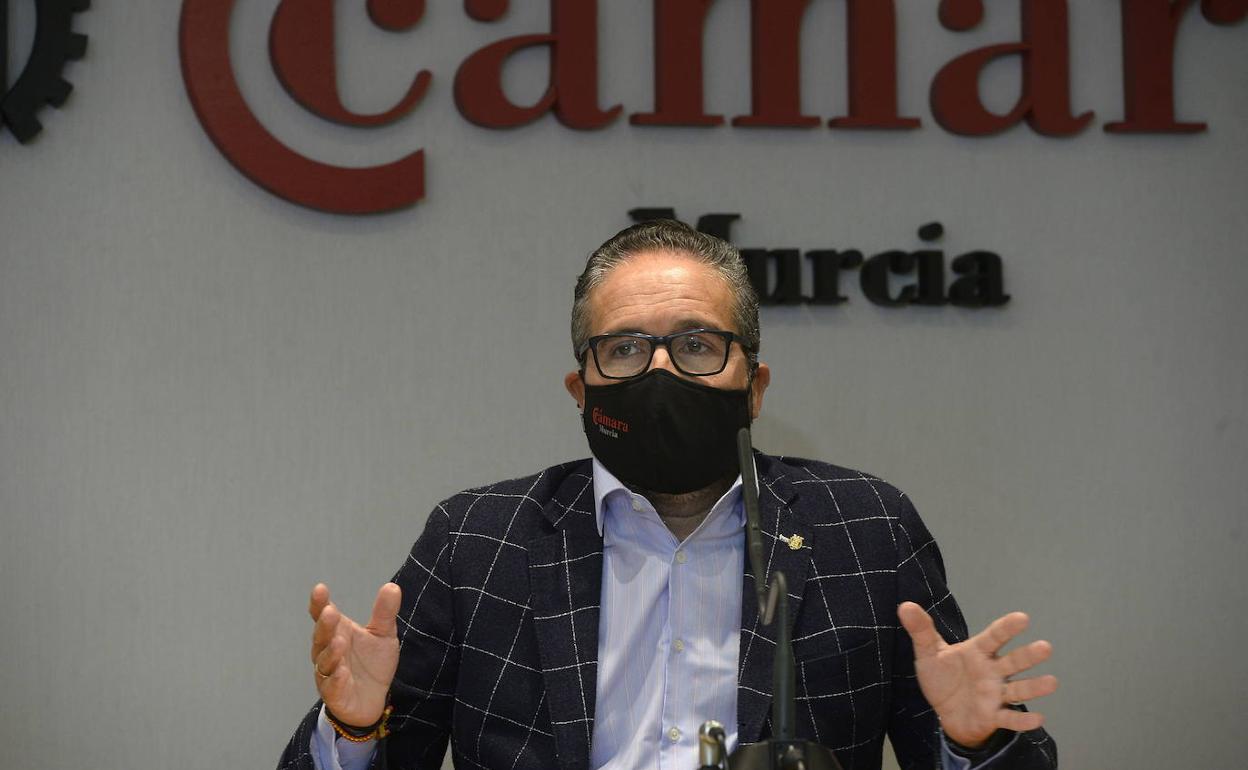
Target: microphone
{"x": 710, "y": 745}
{"x": 753, "y": 530}
{"x": 783, "y": 751}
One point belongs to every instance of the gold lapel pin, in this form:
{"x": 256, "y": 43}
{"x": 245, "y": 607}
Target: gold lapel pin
{"x": 794, "y": 541}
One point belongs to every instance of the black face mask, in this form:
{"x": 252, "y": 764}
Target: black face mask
{"x": 661, "y": 433}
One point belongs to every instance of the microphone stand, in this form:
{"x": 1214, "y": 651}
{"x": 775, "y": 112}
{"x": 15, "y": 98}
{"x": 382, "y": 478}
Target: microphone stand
{"x": 783, "y": 751}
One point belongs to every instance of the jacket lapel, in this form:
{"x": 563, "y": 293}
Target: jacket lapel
{"x": 779, "y": 525}
{"x": 565, "y": 576}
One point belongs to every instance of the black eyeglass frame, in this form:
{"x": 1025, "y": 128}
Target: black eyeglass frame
{"x": 591, "y": 346}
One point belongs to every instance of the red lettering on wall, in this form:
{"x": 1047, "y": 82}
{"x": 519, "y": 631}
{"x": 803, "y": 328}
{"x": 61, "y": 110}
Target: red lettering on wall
{"x": 776, "y": 65}
{"x": 572, "y": 91}
{"x": 872, "y": 30}
{"x": 678, "y": 32}
{"x": 204, "y": 37}
{"x": 301, "y": 47}
{"x": 1149, "y": 28}
{"x": 1044, "y": 99}
{"x": 303, "y": 54}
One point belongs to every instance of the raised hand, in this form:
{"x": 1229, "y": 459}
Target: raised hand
{"x": 355, "y": 664}
{"x": 968, "y": 684}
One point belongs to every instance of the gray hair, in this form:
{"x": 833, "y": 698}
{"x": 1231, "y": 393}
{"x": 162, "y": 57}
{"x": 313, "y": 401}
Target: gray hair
{"x": 673, "y": 236}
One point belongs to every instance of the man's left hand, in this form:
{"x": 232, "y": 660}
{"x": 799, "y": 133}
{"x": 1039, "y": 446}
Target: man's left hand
{"x": 968, "y": 683}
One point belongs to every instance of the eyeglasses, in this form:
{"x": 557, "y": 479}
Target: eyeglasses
{"x": 697, "y": 352}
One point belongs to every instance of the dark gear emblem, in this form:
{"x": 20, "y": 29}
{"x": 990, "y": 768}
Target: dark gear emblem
{"x": 40, "y": 81}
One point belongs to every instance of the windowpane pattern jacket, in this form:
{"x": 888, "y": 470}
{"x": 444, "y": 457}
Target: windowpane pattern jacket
{"x": 499, "y": 625}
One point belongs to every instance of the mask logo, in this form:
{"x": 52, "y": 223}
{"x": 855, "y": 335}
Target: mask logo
{"x": 608, "y": 426}
{"x": 40, "y": 82}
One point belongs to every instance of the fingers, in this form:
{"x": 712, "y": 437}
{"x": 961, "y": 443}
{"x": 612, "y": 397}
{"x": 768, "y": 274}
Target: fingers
{"x": 922, "y": 630}
{"x": 1019, "y": 721}
{"x": 329, "y": 619}
{"x": 1024, "y": 658}
{"x": 324, "y": 631}
{"x": 333, "y": 672}
{"x": 385, "y": 609}
{"x": 318, "y": 600}
{"x": 1026, "y": 689}
{"x": 328, "y": 660}
{"x": 1000, "y": 631}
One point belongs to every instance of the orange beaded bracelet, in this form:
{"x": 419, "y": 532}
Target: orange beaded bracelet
{"x": 360, "y": 735}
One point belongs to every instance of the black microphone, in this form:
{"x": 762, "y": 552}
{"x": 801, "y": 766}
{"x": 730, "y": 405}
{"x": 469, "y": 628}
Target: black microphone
{"x": 770, "y": 598}
{"x": 753, "y": 530}
{"x": 782, "y": 751}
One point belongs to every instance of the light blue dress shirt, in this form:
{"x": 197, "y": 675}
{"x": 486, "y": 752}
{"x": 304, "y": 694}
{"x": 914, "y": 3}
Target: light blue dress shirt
{"x": 668, "y": 636}
{"x": 669, "y": 629}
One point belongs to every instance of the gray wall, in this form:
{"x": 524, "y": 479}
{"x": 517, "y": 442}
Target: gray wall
{"x": 210, "y": 399}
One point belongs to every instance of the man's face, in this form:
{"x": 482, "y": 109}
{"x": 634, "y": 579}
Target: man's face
{"x": 659, "y": 293}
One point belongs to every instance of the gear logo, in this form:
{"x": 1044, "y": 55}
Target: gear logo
{"x": 40, "y": 81}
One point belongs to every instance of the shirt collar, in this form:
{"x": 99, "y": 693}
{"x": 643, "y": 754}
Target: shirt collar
{"x": 606, "y": 483}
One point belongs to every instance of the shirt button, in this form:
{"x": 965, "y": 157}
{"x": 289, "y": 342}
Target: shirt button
{"x": 678, "y": 645}
{"x": 674, "y": 734}
{"x": 681, "y": 557}
{"x": 636, "y": 504}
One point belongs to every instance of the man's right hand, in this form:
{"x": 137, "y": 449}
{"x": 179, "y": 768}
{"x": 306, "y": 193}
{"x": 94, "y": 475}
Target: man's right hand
{"x": 355, "y": 664}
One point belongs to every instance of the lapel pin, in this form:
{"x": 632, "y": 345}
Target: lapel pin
{"x": 794, "y": 541}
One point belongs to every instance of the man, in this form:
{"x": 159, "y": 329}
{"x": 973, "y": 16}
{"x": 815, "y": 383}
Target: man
{"x": 593, "y": 615}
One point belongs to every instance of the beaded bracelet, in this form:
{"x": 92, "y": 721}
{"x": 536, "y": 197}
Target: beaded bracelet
{"x": 377, "y": 730}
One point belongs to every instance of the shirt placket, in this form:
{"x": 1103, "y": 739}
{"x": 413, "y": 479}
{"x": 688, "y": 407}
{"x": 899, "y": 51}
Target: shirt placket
{"x": 678, "y": 731}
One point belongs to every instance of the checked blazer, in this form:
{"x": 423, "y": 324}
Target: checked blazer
{"x": 498, "y": 625}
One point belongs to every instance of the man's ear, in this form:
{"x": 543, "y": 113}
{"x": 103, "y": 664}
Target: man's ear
{"x": 759, "y": 383}
{"x": 576, "y": 387}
